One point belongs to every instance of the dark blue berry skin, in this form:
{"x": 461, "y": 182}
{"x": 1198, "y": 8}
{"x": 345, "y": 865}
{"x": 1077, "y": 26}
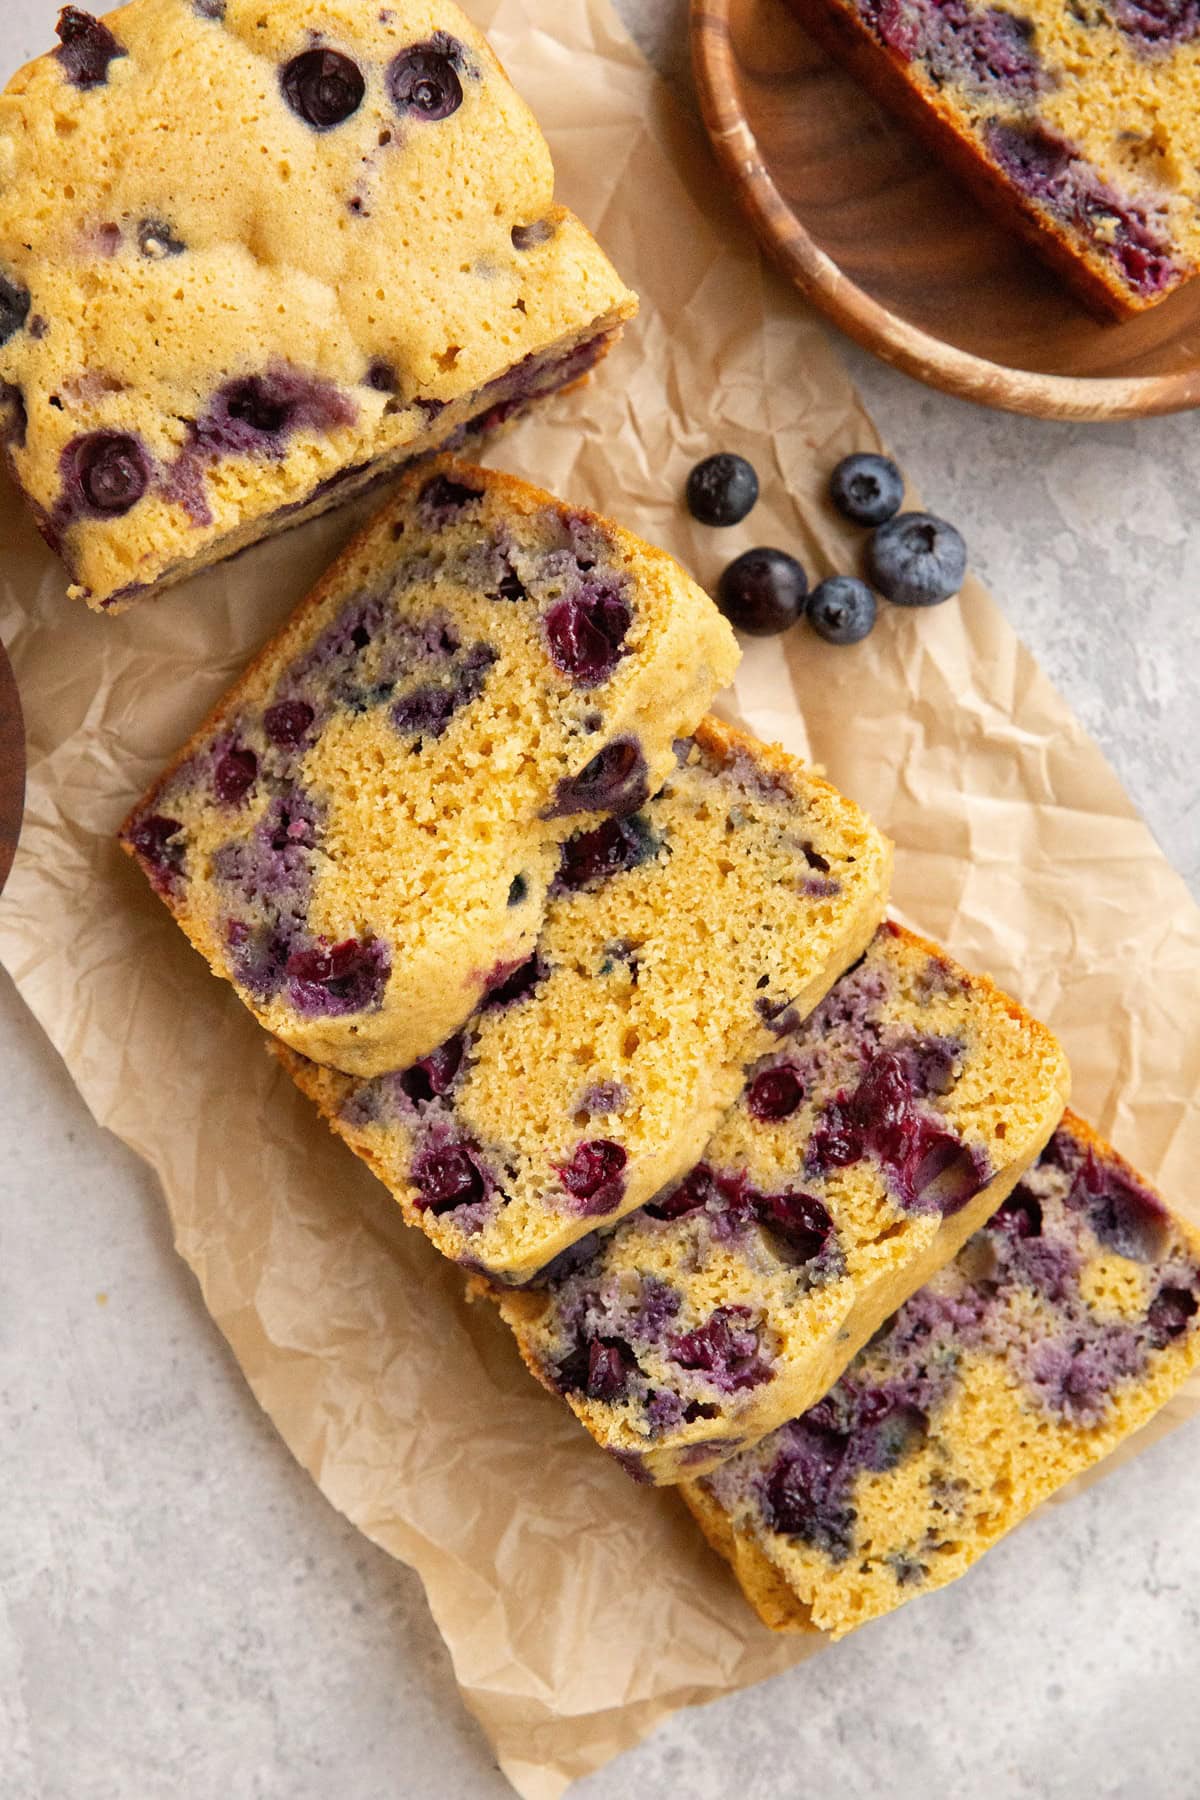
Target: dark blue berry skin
{"x": 722, "y": 489}
{"x": 916, "y": 559}
{"x": 841, "y": 609}
{"x": 763, "y": 591}
{"x": 866, "y": 489}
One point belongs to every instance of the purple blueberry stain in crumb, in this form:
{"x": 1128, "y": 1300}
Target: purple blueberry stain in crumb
{"x": 423, "y": 80}
{"x": 443, "y": 500}
{"x": 1076, "y": 1375}
{"x": 323, "y": 87}
{"x": 618, "y": 845}
{"x": 1125, "y": 1216}
{"x": 86, "y": 48}
{"x": 1048, "y": 169}
{"x": 807, "y": 1492}
{"x": 104, "y": 475}
{"x": 234, "y": 774}
{"x": 1155, "y": 25}
{"x": 985, "y": 50}
{"x": 209, "y": 9}
{"x": 518, "y": 891}
{"x": 586, "y": 632}
{"x": 604, "y": 1098}
{"x": 330, "y": 980}
{"x": 15, "y": 302}
{"x": 160, "y": 846}
{"x": 595, "y": 1176}
{"x": 427, "y": 710}
{"x": 726, "y": 1348}
{"x": 634, "y": 1466}
{"x": 615, "y": 781}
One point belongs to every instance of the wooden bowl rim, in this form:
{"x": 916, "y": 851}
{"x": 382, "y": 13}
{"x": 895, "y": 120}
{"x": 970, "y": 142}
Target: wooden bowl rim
{"x": 875, "y": 326}
{"x": 12, "y": 767}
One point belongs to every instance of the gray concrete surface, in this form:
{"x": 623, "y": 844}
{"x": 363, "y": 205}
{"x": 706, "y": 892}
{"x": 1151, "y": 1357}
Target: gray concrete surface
{"x": 182, "y": 1615}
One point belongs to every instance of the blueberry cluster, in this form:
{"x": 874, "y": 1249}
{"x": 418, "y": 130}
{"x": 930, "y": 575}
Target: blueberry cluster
{"x": 913, "y": 559}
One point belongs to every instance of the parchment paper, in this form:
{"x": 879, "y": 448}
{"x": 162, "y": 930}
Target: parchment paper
{"x": 579, "y": 1610}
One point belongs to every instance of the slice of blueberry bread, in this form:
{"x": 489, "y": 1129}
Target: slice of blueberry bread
{"x": 1063, "y": 1326}
{"x": 861, "y": 1154}
{"x": 362, "y": 835}
{"x": 252, "y": 257}
{"x": 679, "y": 941}
{"x": 1074, "y": 121}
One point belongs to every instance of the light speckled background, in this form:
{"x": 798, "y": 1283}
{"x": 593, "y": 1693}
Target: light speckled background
{"x": 181, "y": 1614}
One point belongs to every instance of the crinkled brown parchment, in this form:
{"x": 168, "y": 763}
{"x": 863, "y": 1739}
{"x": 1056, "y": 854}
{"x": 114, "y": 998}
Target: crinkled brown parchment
{"x": 578, "y": 1608}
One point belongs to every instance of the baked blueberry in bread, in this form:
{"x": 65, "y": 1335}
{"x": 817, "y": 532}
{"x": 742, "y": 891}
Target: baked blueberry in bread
{"x": 1063, "y": 1325}
{"x": 361, "y": 837}
{"x": 253, "y": 257}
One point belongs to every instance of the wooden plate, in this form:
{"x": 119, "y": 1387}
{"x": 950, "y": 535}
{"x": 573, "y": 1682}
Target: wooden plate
{"x": 896, "y": 252}
{"x": 12, "y": 767}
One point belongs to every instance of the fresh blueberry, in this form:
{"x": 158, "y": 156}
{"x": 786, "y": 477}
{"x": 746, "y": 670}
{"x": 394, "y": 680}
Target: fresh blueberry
{"x": 866, "y": 489}
{"x": 763, "y": 592}
{"x": 286, "y": 722}
{"x": 424, "y": 82}
{"x": 105, "y": 472}
{"x": 87, "y": 47}
{"x": 722, "y": 489}
{"x": 323, "y": 87}
{"x": 841, "y": 609}
{"x": 916, "y": 559}
{"x": 14, "y": 308}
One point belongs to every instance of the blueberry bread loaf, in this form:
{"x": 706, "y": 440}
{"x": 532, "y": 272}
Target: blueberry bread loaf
{"x": 252, "y": 257}
{"x": 362, "y": 835}
{"x": 1074, "y": 121}
{"x": 1063, "y": 1326}
{"x": 862, "y": 1153}
{"x": 679, "y": 941}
